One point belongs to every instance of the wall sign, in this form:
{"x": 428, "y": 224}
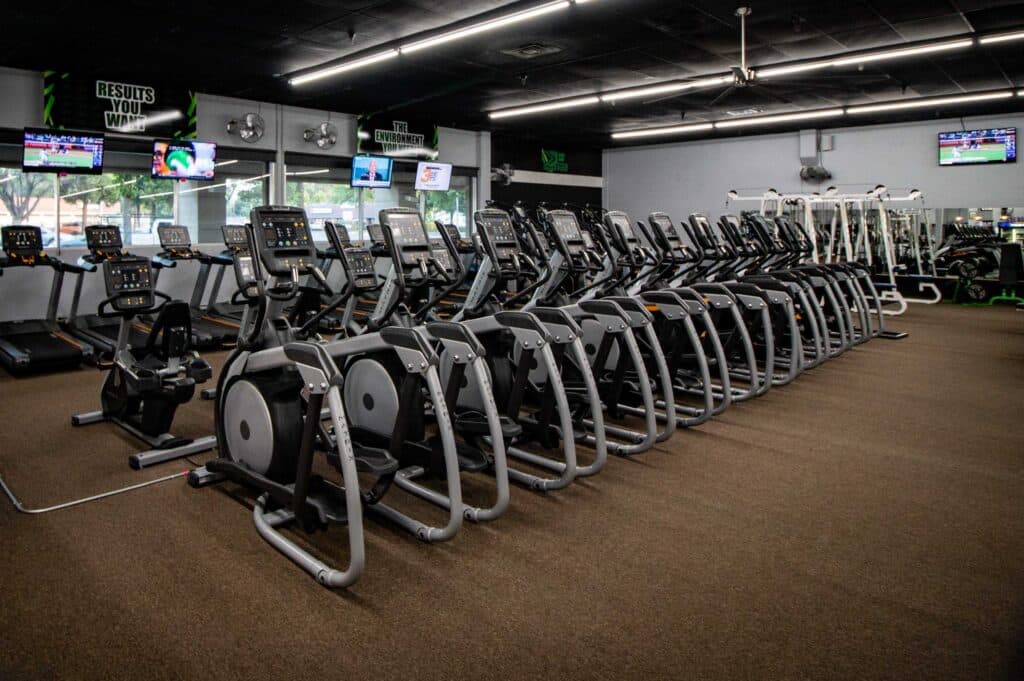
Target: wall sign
{"x": 400, "y": 138}
{"x": 88, "y": 103}
{"x": 553, "y": 161}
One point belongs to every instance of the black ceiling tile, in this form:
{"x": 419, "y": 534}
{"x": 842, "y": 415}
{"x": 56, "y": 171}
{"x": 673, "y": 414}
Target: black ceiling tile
{"x": 875, "y": 36}
{"x": 932, "y": 27}
{"x": 996, "y": 18}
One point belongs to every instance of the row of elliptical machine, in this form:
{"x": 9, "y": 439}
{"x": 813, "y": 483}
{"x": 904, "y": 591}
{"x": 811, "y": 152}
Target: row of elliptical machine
{"x": 384, "y": 398}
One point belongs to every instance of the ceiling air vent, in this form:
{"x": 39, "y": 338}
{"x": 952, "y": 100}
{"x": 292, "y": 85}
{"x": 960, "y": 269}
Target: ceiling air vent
{"x": 532, "y": 51}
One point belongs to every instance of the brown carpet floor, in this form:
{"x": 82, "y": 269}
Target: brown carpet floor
{"x": 864, "y": 523}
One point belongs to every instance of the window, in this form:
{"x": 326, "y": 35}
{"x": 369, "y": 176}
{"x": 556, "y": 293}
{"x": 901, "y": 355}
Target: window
{"x": 28, "y": 199}
{"x": 326, "y": 195}
{"x": 127, "y": 198}
{"x": 238, "y": 186}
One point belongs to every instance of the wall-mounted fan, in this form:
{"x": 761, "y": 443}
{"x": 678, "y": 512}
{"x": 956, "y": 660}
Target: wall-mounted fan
{"x": 324, "y": 135}
{"x": 249, "y": 127}
{"x": 503, "y": 174}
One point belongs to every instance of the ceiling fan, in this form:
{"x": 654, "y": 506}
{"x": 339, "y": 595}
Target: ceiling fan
{"x": 745, "y": 78}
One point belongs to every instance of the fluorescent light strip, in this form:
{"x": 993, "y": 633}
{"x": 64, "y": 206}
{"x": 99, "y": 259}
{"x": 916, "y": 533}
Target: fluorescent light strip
{"x": 661, "y": 89}
{"x": 697, "y": 127}
{"x": 225, "y": 163}
{"x": 780, "y": 118}
{"x": 906, "y": 52}
{"x": 341, "y": 68}
{"x": 308, "y": 172}
{"x": 152, "y": 119}
{"x": 99, "y": 189}
{"x": 552, "y": 106}
{"x": 922, "y": 103}
{"x": 771, "y": 72}
{"x": 1001, "y": 38}
{"x": 483, "y": 26}
{"x": 205, "y": 187}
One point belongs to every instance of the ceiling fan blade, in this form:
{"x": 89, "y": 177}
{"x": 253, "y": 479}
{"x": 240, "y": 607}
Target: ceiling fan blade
{"x": 722, "y": 95}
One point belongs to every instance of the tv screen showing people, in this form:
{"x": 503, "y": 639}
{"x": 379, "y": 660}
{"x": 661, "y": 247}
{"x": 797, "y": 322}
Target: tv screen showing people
{"x": 373, "y": 172}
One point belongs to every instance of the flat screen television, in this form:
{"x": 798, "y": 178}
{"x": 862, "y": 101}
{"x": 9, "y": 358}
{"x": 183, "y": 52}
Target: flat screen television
{"x": 372, "y": 171}
{"x": 62, "y": 151}
{"x": 184, "y": 160}
{"x": 977, "y": 147}
{"x": 433, "y": 176}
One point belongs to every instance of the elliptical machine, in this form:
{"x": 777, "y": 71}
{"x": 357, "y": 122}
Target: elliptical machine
{"x": 146, "y": 384}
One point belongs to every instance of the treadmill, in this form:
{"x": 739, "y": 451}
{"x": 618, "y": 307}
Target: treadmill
{"x": 235, "y": 243}
{"x": 207, "y": 331}
{"x": 37, "y": 344}
{"x": 104, "y": 243}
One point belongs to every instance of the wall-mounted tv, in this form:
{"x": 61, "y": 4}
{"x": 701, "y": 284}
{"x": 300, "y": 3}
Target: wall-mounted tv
{"x": 184, "y": 160}
{"x": 371, "y": 171}
{"x": 62, "y": 151}
{"x": 975, "y": 147}
{"x": 433, "y": 176}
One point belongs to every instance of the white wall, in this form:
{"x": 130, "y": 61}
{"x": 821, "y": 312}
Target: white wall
{"x": 689, "y": 177}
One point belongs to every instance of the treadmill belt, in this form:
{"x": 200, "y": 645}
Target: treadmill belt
{"x": 38, "y": 350}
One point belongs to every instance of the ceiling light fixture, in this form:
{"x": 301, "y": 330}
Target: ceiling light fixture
{"x": 341, "y": 68}
{"x": 697, "y": 127}
{"x": 490, "y": 25}
{"x": 1001, "y": 38}
{"x": 668, "y": 87}
{"x": 886, "y": 55}
{"x": 779, "y": 118}
{"x": 319, "y": 171}
{"x": 773, "y": 71}
{"x": 552, "y": 106}
{"x": 932, "y": 101}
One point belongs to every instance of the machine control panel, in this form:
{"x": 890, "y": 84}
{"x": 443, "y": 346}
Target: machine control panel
{"x": 234, "y": 237}
{"x": 101, "y": 239}
{"x": 129, "y": 283}
{"x": 497, "y": 234}
{"x": 376, "y": 234}
{"x": 619, "y": 221}
{"x": 283, "y": 239}
{"x": 359, "y": 267}
{"x": 443, "y": 256}
{"x": 662, "y": 226}
{"x": 22, "y": 242}
{"x": 340, "y": 230}
{"x": 404, "y": 232}
{"x": 567, "y": 229}
{"x": 175, "y": 239}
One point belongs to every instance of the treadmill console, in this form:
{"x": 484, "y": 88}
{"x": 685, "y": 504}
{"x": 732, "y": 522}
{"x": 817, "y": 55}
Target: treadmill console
{"x": 22, "y": 242}
{"x": 129, "y": 283}
{"x": 497, "y": 235}
{"x": 376, "y": 234}
{"x": 174, "y": 237}
{"x": 234, "y": 237}
{"x": 406, "y": 237}
{"x": 283, "y": 240}
{"x": 103, "y": 239}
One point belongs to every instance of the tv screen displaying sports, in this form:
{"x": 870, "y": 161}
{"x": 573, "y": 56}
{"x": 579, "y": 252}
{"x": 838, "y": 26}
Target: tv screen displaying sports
{"x": 184, "y": 160}
{"x": 973, "y": 147}
{"x": 431, "y": 176}
{"x": 62, "y": 151}
{"x": 371, "y": 171}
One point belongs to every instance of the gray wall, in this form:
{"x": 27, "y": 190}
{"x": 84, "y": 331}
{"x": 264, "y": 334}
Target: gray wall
{"x": 689, "y": 177}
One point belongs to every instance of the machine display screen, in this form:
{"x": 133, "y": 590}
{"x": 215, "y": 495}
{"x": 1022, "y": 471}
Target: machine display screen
{"x": 622, "y": 222}
{"x": 665, "y": 225}
{"x": 129, "y": 275}
{"x": 62, "y": 151}
{"x": 245, "y": 270}
{"x": 234, "y": 235}
{"x": 359, "y": 260}
{"x": 376, "y": 233}
{"x": 341, "y": 231}
{"x": 566, "y": 226}
{"x": 499, "y": 228}
{"x": 443, "y": 257}
{"x": 102, "y": 238}
{"x": 172, "y": 236}
{"x": 22, "y": 239}
{"x": 407, "y": 230}
{"x": 285, "y": 231}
